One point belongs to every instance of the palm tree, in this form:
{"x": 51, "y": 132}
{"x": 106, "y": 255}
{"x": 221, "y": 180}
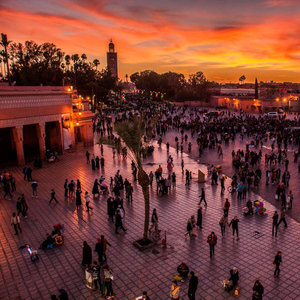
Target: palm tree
{"x": 135, "y": 134}
{"x": 83, "y": 57}
{"x": 68, "y": 61}
{"x": 5, "y": 43}
{"x": 96, "y": 63}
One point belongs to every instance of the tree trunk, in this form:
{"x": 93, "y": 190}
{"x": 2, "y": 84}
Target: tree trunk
{"x": 144, "y": 183}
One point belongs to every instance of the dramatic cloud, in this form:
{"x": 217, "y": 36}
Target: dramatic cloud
{"x": 259, "y": 38}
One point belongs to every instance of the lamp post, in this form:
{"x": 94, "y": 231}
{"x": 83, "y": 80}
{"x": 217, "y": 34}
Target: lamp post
{"x": 5, "y": 43}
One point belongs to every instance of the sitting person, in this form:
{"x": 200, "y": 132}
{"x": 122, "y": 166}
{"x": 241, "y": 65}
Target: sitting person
{"x": 249, "y": 206}
{"x": 49, "y": 241}
{"x": 183, "y": 271}
{"x": 234, "y": 278}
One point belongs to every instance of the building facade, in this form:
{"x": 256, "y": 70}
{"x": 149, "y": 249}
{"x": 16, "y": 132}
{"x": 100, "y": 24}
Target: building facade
{"x": 36, "y": 119}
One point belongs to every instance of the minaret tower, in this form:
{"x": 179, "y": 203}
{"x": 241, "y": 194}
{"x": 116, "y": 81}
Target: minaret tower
{"x": 112, "y": 60}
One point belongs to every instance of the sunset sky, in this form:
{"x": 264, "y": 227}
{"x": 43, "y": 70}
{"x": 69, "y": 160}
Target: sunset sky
{"x": 223, "y": 38}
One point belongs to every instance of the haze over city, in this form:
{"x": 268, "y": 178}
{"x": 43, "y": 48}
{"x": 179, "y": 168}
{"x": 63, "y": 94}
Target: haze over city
{"x": 224, "y": 39}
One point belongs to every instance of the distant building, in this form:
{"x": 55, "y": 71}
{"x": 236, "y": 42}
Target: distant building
{"x": 112, "y": 60}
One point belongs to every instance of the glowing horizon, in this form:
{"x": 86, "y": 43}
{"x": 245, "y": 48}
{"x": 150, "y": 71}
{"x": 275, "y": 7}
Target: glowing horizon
{"x": 257, "y": 39}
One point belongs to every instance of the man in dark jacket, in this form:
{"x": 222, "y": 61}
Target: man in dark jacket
{"x": 193, "y": 284}
{"x": 183, "y": 270}
{"x": 235, "y": 226}
{"x": 258, "y": 290}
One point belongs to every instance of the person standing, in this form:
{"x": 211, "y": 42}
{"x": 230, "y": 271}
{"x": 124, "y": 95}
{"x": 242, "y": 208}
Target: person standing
{"x": 13, "y": 183}
{"x": 95, "y": 188}
{"x": 96, "y": 276}
{"x": 97, "y": 162}
{"x": 235, "y": 226}
{"x": 15, "y": 220}
{"x": 29, "y": 174}
{"x": 223, "y": 222}
{"x": 53, "y": 196}
{"x": 151, "y": 178}
{"x": 173, "y": 179}
{"x": 87, "y": 201}
{"x": 71, "y": 189}
{"x": 86, "y": 254}
{"x": 193, "y": 284}
{"x": 25, "y": 169}
{"x": 104, "y": 242}
{"x": 98, "y": 249}
{"x": 226, "y": 207}
{"x": 182, "y": 166}
{"x": 34, "y": 186}
{"x": 258, "y": 290}
{"x": 175, "y": 291}
{"x": 199, "y": 217}
{"x": 275, "y": 223}
{"x": 66, "y": 187}
{"x": 154, "y": 220}
{"x": 129, "y": 190}
{"x": 277, "y": 261}
{"x": 78, "y": 198}
{"x": 108, "y": 279}
{"x": 202, "y": 197}
{"x": 87, "y": 155}
{"x": 282, "y": 218}
{"x": 212, "y": 241}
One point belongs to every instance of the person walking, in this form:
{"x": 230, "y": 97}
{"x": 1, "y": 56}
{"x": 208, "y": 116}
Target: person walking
{"x": 223, "y": 222}
{"x": 199, "y": 217}
{"x": 6, "y": 188}
{"x": 66, "y": 187}
{"x": 277, "y": 261}
{"x": 24, "y": 206}
{"x": 193, "y": 284}
{"x": 87, "y": 201}
{"x": 53, "y": 196}
{"x": 202, "y": 197}
{"x": 275, "y": 223}
{"x": 119, "y": 222}
{"x": 86, "y": 255}
{"x": 258, "y": 290}
{"x": 235, "y": 226}
{"x": 15, "y": 220}
{"x": 154, "y": 220}
{"x": 34, "y": 186}
{"x": 19, "y": 207}
{"x": 175, "y": 291}
{"x": 226, "y": 207}
{"x": 212, "y": 241}
{"x": 282, "y": 218}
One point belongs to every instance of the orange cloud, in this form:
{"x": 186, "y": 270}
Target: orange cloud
{"x": 157, "y": 39}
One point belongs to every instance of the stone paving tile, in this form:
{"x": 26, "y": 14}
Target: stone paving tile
{"x": 135, "y": 271}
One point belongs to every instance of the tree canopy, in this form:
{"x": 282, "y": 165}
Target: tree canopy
{"x": 173, "y": 85}
{"x": 35, "y": 64}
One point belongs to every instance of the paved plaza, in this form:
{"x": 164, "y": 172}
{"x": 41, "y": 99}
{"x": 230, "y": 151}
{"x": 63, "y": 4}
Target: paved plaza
{"x": 135, "y": 271}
